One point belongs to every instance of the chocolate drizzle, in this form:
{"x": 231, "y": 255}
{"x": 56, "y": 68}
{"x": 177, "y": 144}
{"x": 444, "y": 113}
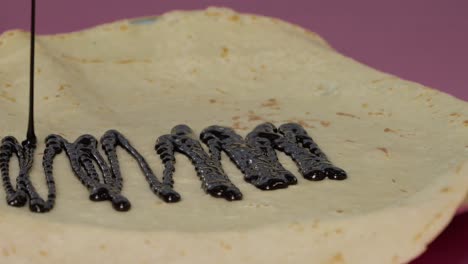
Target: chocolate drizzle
{"x": 214, "y": 180}
{"x": 110, "y": 141}
{"x": 312, "y": 162}
{"x": 24, "y": 188}
{"x": 252, "y": 157}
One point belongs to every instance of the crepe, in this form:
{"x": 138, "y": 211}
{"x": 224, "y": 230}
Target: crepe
{"x": 403, "y": 145}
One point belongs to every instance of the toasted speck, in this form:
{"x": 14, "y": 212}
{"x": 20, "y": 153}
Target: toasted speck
{"x": 43, "y": 253}
{"x": 325, "y": 123}
{"x": 272, "y": 102}
{"x": 5, "y": 252}
{"x": 234, "y": 18}
{"x": 224, "y": 52}
{"x": 102, "y": 247}
{"x": 212, "y": 101}
{"x": 182, "y": 253}
{"x": 147, "y": 242}
{"x": 445, "y": 190}
{"x": 125, "y": 61}
{"x": 347, "y": 115}
{"x": 235, "y": 118}
{"x": 388, "y": 130}
{"x": 384, "y": 150}
{"x": 225, "y": 245}
{"x": 465, "y": 122}
{"x": 123, "y": 27}
{"x": 339, "y": 211}
{"x": 365, "y": 105}
{"x": 337, "y": 259}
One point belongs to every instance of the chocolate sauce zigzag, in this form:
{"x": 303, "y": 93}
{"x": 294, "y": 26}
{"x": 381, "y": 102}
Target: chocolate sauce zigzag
{"x": 214, "y": 180}
{"x": 82, "y": 154}
{"x": 312, "y": 162}
{"x": 24, "y": 188}
{"x": 262, "y": 138}
{"x": 109, "y": 142}
{"x": 257, "y": 167}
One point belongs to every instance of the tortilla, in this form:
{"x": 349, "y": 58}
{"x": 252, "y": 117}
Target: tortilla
{"x": 403, "y": 145}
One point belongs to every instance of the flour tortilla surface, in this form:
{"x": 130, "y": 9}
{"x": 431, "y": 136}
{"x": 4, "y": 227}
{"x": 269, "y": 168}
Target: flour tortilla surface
{"x": 404, "y": 146}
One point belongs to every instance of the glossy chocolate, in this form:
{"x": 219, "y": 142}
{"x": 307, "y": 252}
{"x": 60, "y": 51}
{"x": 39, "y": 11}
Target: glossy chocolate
{"x": 258, "y": 167}
{"x": 24, "y": 188}
{"x": 214, "y": 180}
{"x": 312, "y": 162}
{"x": 110, "y": 141}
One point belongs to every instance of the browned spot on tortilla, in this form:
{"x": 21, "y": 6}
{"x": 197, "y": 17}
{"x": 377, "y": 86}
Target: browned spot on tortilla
{"x": 446, "y": 190}
{"x": 375, "y": 113}
{"x": 455, "y": 114}
{"x": 337, "y": 259}
{"x": 8, "y": 97}
{"x": 147, "y": 242}
{"x": 403, "y": 191}
{"x": 5, "y": 252}
{"x": 194, "y": 71}
{"x": 236, "y": 125}
{"x": 393, "y": 180}
{"x": 272, "y": 102}
{"x": 149, "y": 80}
{"x": 347, "y": 115}
{"x": 225, "y": 245}
{"x": 102, "y": 247}
{"x": 350, "y": 141}
{"x": 123, "y": 27}
{"x": 384, "y": 150}
{"x": 224, "y": 52}
{"x": 127, "y": 61}
{"x": 325, "y": 123}
{"x": 395, "y": 259}
{"x": 465, "y": 123}
{"x": 220, "y": 91}
{"x": 427, "y": 226}
{"x": 252, "y": 69}
{"x": 307, "y": 113}
{"x": 1, "y": 43}
{"x": 254, "y": 117}
{"x": 43, "y": 253}
{"x": 63, "y": 86}
{"x": 365, "y": 105}
{"x": 339, "y": 211}
{"x": 234, "y": 18}
{"x": 389, "y": 130}
{"x": 46, "y": 97}
{"x": 235, "y": 117}
{"x": 39, "y": 70}
{"x": 11, "y": 34}
{"x": 7, "y": 85}
{"x": 339, "y": 231}
{"x": 212, "y": 101}
{"x": 182, "y": 253}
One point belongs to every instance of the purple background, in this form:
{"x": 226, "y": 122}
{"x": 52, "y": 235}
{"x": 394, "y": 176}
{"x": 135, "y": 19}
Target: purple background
{"x": 421, "y": 40}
